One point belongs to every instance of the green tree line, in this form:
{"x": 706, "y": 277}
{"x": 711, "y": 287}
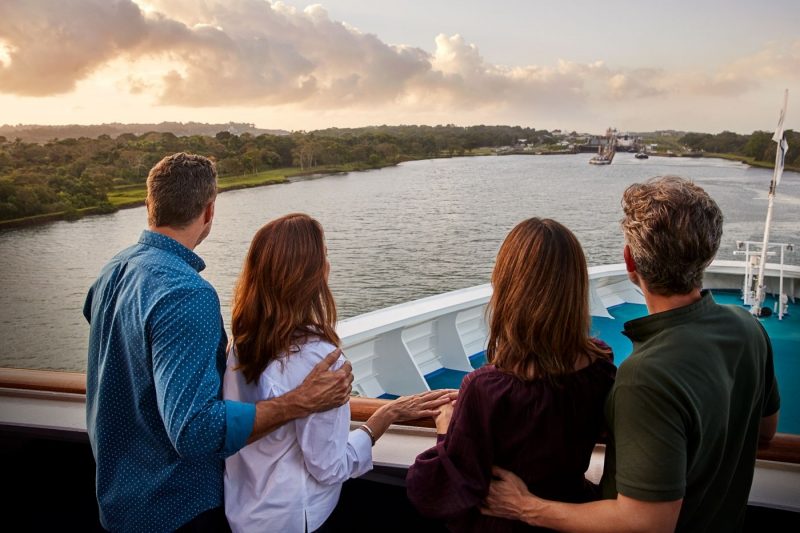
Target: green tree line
{"x": 63, "y": 176}
{"x": 758, "y": 145}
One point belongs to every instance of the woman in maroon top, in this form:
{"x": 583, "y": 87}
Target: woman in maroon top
{"x": 537, "y": 407}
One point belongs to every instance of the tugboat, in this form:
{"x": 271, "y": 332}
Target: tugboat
{"x": 600, "y": 160}
{"x": 605, "y": 154}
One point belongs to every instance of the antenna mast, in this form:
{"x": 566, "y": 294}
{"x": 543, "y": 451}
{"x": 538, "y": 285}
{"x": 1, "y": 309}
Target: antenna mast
{"x": 780, "y": 153}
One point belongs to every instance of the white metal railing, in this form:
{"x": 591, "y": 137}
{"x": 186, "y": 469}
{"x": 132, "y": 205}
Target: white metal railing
{"x": 393, "y": 349}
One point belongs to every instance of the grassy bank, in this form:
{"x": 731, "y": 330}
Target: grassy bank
{"x": 751, "y": 161}
{"x": 74, "y": 214}
{"x": 133, "y": 195}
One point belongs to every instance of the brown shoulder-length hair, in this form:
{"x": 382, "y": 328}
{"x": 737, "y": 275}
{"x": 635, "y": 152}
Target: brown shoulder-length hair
{"x": 282, "y": 296}
{"x": 539, "y": 311}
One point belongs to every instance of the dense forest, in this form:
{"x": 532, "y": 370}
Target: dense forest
{"x": 71, "y": 174}
{"x": 68, "y": 175}
{"x": 758, "y": 145}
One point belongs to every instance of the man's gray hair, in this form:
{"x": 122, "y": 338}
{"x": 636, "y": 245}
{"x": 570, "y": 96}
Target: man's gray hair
{"x": 673, "y": 229}
{"x": 179, "y": 187}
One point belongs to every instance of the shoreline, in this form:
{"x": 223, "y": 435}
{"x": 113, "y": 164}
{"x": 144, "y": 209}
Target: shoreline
{"x": 287, "y": 175}
{"x": 117, "y": 199}
{"x": 750, "y": 161}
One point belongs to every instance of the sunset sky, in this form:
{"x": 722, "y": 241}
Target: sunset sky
{"x": 583, "y": 65}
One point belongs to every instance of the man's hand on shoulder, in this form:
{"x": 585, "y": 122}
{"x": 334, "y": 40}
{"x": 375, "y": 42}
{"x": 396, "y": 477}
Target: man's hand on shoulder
{"x": 324, "y": 388}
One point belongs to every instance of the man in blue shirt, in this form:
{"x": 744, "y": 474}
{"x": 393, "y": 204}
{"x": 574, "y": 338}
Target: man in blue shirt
{"x": 156, "y": 420}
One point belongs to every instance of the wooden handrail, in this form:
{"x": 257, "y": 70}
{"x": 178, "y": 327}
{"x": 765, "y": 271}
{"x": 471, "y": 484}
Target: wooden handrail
{"x": 43, "y": 380}
{"x": 783, "y": 448}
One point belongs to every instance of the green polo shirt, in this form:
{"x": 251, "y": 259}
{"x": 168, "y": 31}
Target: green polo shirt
{"x": 685, "y": 410}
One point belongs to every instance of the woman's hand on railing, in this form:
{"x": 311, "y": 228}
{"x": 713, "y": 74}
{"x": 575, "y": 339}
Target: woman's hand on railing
{"x": 423, "y": 405}
{"x": 443, "y": 418}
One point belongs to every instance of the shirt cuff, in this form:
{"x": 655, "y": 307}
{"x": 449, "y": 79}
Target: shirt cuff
{"x": 361, "y": 444}
{"x": 239, "y": 420}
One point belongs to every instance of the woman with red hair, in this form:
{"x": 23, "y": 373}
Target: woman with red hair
{"x": 536, "y": 408}
{"x": 283, "y": 324}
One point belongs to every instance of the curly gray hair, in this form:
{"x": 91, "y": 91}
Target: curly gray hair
{"x": 673, "y": 229}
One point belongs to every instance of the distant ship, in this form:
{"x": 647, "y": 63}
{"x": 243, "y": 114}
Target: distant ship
{"x": 605, "y": 154}
{"x": 600, "y": 160}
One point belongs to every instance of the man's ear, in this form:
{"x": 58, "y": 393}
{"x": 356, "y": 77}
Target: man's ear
{"x": 630, "y": 264}
{"x": 208, "y": 214}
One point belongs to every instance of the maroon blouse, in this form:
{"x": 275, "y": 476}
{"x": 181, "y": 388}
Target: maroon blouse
{"x": 543, "y": 432}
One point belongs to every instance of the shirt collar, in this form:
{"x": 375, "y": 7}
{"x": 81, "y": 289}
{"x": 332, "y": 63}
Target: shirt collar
{"x": 157, "y": 240}
{"x": 640, "y": 329}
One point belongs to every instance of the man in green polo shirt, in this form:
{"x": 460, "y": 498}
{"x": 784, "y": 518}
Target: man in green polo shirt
{"x": 691, "y": 402}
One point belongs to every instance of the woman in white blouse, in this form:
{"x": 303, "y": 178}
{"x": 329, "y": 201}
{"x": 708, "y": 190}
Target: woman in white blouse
{"x": 283, "y": 324}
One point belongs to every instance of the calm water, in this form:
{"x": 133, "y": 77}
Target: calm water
{"x": 394, "y": 234}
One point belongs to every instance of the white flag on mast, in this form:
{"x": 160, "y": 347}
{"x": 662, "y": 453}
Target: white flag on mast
{"x": 779, "y": 130}
{"x": 783, "y": 146}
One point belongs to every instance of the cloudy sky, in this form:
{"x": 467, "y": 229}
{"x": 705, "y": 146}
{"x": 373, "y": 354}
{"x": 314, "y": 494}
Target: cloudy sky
{"x": 571, "y": 64}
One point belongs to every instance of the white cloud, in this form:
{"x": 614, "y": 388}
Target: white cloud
{"x": 216, "y": 53}
{"x": 51, "y": 45}
{"x": 5, "y": 54}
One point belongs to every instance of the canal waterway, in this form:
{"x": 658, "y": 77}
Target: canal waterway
{"x": 394, "y": 234}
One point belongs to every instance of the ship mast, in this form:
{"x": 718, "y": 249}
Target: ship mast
{"x": 780, "y": 154}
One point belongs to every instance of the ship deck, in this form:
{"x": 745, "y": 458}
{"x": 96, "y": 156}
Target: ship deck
{"x": 784, "y": 335}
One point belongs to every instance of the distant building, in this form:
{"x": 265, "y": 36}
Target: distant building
{"x": 626, "y": 140}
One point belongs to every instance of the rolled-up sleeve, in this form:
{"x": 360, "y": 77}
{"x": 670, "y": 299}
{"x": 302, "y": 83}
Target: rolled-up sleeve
{"x": 239, "y": 420}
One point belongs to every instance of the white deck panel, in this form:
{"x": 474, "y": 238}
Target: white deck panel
{"x": 43, "y": 410}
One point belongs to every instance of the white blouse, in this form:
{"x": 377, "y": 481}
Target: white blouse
{"x": 293, "y": 475}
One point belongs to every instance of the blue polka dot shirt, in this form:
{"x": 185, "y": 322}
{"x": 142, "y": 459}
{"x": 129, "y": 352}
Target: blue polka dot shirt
{"x": 156, "y": 420}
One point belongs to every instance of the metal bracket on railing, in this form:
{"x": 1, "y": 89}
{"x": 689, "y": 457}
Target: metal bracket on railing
{"x": 754, "y": 288}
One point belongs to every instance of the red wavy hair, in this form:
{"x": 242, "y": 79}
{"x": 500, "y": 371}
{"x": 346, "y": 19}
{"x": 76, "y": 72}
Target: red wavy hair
{"x": 282, "y": 296}
{"x": 539, "y": 311}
